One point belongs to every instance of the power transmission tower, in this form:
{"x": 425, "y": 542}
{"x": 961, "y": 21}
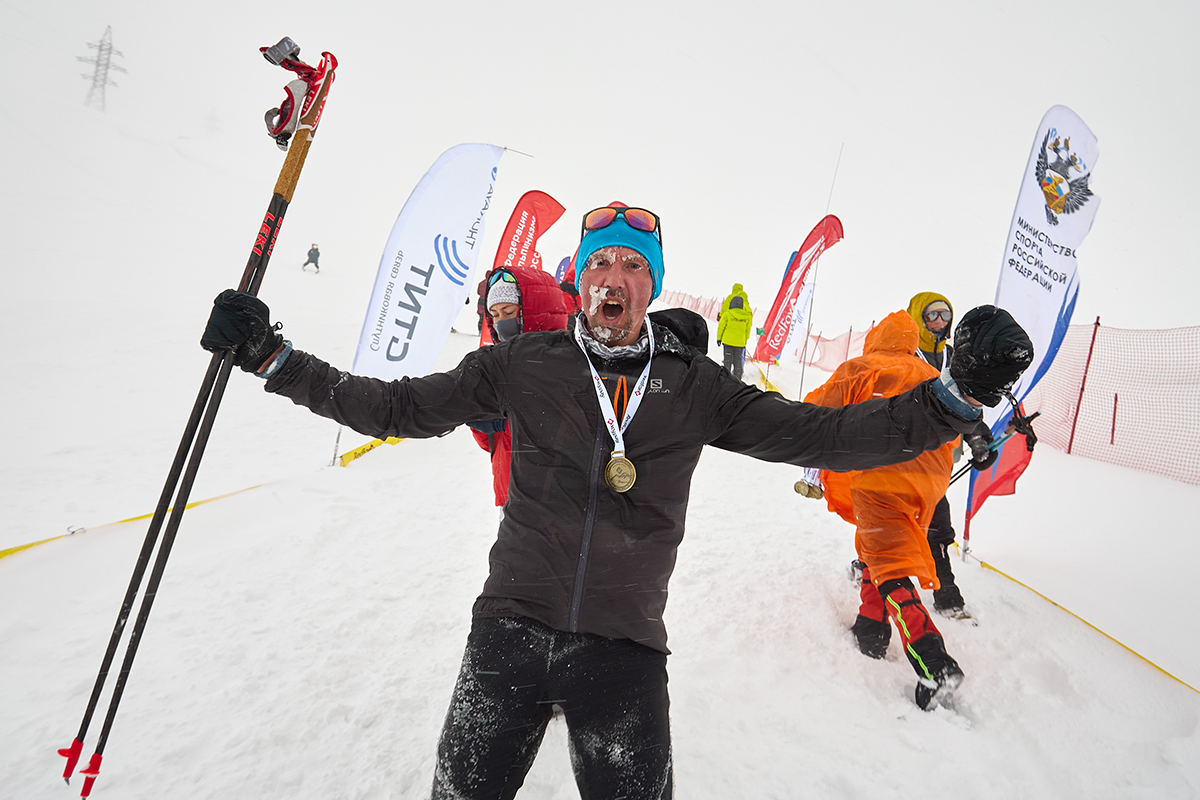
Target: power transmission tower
{"x": 103, "y": 61}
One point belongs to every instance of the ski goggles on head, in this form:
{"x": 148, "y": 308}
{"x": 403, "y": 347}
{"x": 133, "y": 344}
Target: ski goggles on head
{"x": 945, "y": 313}
{"x": 637, "y": 218}
{"x": 501, "y": 274}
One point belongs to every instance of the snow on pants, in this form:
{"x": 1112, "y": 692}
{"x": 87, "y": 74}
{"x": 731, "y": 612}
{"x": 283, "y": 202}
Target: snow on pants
{"x": 515, "y": 671}
{"x": 735, "y": 358}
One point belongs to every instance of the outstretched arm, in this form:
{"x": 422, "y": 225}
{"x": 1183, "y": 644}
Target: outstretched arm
{"x": 858, "y": 436}
{"x": 412, "y": 407}
{"x": 419, "y": 408}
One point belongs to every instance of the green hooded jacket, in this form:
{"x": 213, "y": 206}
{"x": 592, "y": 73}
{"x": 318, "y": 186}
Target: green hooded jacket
{"x": 737, "y": 320}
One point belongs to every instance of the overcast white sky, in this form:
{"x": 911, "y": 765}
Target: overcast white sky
{"x": 727, "y": 119}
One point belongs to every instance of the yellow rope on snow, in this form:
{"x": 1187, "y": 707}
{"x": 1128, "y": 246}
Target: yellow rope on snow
{"x": 344, "y": 460}
{"x": 988, "y": 566}
{"x": 10, "y": 551}
{"x": 762, "y": 378}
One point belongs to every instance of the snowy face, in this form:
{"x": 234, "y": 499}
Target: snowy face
{"x": 615, "y": 289}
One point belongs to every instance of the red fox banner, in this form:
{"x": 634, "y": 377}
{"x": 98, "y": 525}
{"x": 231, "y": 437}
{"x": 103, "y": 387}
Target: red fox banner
{"x": 786, "y": 314}
{"x": 1039, "y": 279}
{"x": 427, "y": 266}
{"x": 532, "y": 216}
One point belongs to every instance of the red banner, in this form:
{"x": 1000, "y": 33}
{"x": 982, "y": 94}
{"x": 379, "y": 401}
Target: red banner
{"x": 535, "y": 212}
{"x": 778, "y": 327}
{"x": 533, "y": 215}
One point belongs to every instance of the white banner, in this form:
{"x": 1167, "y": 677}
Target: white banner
{"x": 799, "y": 327}
{"x": 428, "y": 266}
{"x": 1039, "y": 279}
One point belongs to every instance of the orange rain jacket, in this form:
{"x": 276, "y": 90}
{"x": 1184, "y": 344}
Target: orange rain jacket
{"x": 890, "y": 506}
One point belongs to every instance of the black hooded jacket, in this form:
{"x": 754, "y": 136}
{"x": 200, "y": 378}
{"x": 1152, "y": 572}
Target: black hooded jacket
{"x": 571, "y": 552}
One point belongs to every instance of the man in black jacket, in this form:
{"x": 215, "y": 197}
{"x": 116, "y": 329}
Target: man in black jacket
{"x": 608, "y": 421}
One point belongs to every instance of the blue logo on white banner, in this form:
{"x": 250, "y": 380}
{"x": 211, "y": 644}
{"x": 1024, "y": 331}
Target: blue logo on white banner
{"x": 411, "y": 310}
{"x": 447, "y": 256}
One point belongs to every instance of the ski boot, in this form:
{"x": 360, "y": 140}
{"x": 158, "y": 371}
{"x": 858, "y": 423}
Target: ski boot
{"x": 939, "y": 689}
{"x": 871, "y": 628}
{"x": 872, "y": 636}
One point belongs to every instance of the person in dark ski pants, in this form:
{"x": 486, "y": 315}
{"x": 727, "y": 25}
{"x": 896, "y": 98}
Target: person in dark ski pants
{"x": 571, "y": 614}
{"x": 935, "y": 317}
{"x": 314, "y": 255}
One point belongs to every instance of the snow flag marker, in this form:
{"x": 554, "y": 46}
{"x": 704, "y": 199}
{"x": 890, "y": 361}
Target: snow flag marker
{"x": 788, "y": 312}
{"x": 1039, "y": 279}
{"x": 427, "y": 268}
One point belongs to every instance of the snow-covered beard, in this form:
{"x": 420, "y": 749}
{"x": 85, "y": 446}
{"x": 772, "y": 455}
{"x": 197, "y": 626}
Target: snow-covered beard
{"x": 601, "y": 331}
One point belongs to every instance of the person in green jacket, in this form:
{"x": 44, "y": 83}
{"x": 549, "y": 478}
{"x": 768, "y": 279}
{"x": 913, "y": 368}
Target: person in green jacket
{"x": 733, "y": 329}
{"x": 738, "y": 291}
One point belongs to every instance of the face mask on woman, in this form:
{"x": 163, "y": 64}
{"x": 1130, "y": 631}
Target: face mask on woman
{"x": 507, "y": 328}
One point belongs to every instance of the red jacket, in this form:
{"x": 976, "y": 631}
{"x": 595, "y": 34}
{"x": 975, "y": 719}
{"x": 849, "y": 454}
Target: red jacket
{"x": 544, "y": 307}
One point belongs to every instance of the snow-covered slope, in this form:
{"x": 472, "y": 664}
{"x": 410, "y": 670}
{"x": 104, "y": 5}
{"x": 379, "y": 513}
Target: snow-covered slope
{"x": 307, "y": 635}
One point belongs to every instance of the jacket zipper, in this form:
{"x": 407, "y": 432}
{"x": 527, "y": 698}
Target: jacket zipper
{"x": 589, "y": 522}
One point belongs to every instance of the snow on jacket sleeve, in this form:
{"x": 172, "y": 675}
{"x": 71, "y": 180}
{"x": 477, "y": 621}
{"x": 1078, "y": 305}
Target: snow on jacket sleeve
{"x": 410, "y": 407}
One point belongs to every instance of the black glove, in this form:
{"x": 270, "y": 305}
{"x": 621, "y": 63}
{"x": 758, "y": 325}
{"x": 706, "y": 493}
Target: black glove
{"x": 242, "y": 323}
{"x": 978, "y": 440}
{"x": 990, "y": 352}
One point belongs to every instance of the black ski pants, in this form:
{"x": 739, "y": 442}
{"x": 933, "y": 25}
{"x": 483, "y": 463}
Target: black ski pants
{"x": 515, "y": 671}
{"x": 735, "y": 357}
{"x": 941, "y": 529}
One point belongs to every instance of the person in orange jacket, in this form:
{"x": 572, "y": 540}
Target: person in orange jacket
{"x": 891, "y": 508}
{"x": 519, "y": 299}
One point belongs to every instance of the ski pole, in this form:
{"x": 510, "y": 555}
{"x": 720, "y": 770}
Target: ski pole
{"x": 291, "y": 119}
{"x": 1020, "y": 424}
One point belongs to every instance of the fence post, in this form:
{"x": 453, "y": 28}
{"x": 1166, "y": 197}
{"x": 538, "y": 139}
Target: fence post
{"x": 1083, "y": 383}
{"x": 1112, "y": 437}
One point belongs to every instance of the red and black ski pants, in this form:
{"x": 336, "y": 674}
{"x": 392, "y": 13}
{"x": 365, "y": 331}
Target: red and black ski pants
{"x": 898, "y": 601}
{"x": 515, "y": 672}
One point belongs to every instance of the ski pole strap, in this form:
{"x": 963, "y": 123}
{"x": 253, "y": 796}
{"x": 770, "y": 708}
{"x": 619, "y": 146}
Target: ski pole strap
{"x": 274, "y": 365}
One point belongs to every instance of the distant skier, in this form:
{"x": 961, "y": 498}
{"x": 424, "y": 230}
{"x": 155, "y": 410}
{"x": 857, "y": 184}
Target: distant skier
{"x": 313, "y": 255}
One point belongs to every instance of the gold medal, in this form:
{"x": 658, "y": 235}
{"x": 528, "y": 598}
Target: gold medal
{"x": 620, "y": 473}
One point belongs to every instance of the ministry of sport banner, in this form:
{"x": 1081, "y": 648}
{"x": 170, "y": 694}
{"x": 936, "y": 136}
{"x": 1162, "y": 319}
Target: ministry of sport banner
{"x": 428, "y": 265}
{"x": 1039, "y": 280}
{"x": 778, "y": 330}
{"x": 1039, "y": 277}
